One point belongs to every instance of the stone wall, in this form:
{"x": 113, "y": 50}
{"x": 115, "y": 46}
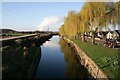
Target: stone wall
{"x": 87, "y": 62}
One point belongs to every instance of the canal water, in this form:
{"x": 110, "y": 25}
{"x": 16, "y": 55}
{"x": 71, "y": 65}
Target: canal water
{"x": 58, "y": 60}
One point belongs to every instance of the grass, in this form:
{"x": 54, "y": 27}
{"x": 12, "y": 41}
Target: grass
{"x": 11, "y": 35}
{"x": 106, "y": 58}
{"x": 16, "y": 34}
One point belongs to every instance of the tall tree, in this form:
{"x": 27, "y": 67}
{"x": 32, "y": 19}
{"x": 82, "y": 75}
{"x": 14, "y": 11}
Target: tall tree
{"x": 91, "y": 17}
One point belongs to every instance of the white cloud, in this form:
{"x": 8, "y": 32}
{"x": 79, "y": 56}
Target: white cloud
{"x": 51, "y": 44}
{"x": 49, "y": 22}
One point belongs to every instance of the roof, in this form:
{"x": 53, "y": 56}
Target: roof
{"x": 118, "y": 32}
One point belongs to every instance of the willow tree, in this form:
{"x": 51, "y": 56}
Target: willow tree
{"x": 117, "y": 12}
{"x": 61, "y": 30}
{"x": 112, "y": 12}
{"x": 70, "y": 24}
{"x": 100, "y": 19}
{"x": 101, "y": 15}
{"x": 91, "y": 17}
{"x": 78, "y": 19}
{"x": 95, "y": 13}
{"x": 83, "y": 22}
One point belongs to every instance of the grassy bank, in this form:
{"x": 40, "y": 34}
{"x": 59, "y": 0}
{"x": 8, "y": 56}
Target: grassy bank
{"x": 11, "y": 35}
{"x": 106, "y": 58}
{"x": 16, "y": 34}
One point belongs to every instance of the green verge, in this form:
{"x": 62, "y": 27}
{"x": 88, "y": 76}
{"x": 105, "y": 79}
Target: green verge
{"x": 16, "y": 34}
{"x": 106, "y": 58}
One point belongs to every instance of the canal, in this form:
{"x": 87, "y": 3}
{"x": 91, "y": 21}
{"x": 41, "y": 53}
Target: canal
{"x": 58, "y": 60}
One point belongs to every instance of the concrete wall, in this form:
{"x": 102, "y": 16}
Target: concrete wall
{"x": 87, "y": 62}
{"x": 35, "y": 38}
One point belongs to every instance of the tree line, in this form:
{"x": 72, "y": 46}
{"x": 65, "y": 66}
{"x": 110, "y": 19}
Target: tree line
{"x": 91, "y": 18}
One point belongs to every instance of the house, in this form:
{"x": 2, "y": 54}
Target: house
{"x": 117, "y": 35}
{"x": 109, "y": 35}
{"x": 100, "y": 35}
{"x": 117, "y": 32}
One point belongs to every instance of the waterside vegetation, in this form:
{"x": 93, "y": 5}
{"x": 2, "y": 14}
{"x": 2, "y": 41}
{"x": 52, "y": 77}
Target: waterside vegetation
{"x": 92, "y": 18}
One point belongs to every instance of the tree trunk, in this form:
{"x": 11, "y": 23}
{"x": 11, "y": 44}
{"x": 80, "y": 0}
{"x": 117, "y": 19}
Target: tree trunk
{"x": 83, "y": 37}
{"x": 93, "y": 37}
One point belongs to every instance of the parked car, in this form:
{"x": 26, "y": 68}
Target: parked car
{"x": 112, "y": 42}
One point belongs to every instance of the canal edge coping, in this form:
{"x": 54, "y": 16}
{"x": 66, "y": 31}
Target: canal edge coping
{"x": 87, "y": 62}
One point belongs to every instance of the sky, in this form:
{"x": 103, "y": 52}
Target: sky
{"x": 58, "y": 0}
{"x": 26, "y": 16}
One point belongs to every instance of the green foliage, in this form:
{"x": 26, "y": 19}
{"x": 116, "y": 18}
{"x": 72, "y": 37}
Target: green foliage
{"x": 91, "y": 17}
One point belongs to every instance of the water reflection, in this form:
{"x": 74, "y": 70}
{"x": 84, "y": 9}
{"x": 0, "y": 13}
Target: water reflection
{"x": 25, "y": 49}
{"x": 30, "y": 42}
{"x": 59, "y": 61}
{"x": 19, "y": 61}
{"x": 51, "y": 44}
{"x": 52, "y": 64}
{"x": 74, "y": 68}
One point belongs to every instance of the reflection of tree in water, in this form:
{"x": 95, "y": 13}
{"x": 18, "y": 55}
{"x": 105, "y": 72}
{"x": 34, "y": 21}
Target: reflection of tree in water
{"x": 21, "y": 57}
{"x": 74, "y": 70}
{"x": 19, "y": 61}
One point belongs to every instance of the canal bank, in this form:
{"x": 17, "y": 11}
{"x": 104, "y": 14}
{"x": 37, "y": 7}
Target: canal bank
{"x": 26, "y": 38}
{"x": 87, "y": 62}
{"x": 20, "y": 58}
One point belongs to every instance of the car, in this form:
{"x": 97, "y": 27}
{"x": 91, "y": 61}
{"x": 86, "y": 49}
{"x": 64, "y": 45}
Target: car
{"x": 110, "y": 43}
